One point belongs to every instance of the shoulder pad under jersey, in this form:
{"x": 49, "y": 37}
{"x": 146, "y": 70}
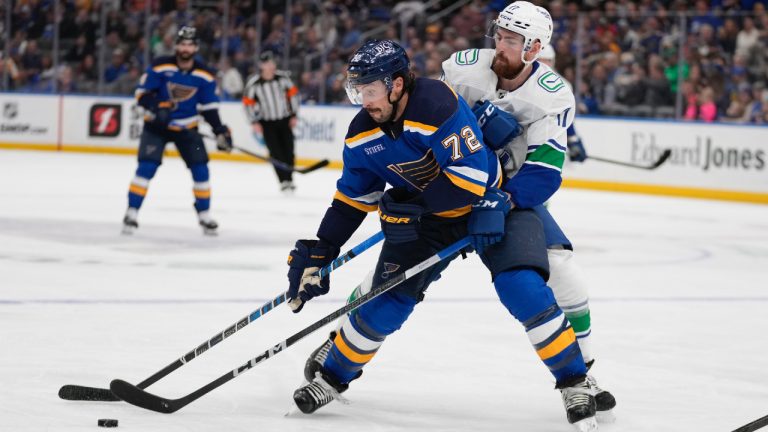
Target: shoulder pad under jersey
{"x": 469, "y": 73}
{"x": 546, "y": 91}
{"x": 440, "y": 99}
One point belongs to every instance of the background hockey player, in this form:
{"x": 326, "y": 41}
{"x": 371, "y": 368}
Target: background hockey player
{"x": 525, "y": 110}
{"x": 421, "y": 138}
{"x": 172, "y": 90}
{"x": 576, "y": 150}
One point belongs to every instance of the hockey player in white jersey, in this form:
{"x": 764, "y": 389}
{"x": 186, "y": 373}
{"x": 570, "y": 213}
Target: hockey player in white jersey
{"x": 576, "y": 150}
{"x": 525, "y": 110}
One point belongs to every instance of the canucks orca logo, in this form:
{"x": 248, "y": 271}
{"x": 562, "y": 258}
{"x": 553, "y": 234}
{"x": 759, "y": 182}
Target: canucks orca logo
{"x": 467, "y": 57}
{"x": 418, "y": 173}
{"x": 551, "y": 82}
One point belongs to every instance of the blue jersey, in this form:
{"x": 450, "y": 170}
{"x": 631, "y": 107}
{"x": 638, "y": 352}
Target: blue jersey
{"x": 189, "y": 91}
{"x": 437, "y": 135}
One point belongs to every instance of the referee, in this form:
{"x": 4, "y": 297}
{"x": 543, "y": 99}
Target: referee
{"x": 272, "y": 101}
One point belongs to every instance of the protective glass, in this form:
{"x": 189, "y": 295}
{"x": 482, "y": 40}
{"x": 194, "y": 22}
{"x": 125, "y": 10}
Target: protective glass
{"x": 360, "y": 94}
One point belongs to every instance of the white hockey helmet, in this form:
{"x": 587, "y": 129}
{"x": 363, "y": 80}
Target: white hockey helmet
{"x": 528, "y": 20}
{"x": 547, "y": 53}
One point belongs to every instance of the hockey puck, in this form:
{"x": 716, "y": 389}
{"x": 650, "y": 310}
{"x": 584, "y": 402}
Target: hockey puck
{"x": 107, "y": 423}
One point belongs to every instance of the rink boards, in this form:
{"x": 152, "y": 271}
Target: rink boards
{"x": 716, "y": 161}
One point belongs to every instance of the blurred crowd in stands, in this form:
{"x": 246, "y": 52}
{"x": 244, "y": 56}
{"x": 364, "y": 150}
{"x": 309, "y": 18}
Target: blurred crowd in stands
{"x": 697, "y": 60}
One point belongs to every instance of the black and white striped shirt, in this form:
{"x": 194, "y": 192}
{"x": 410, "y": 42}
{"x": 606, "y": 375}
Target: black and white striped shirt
{"x": 273, "y": 99}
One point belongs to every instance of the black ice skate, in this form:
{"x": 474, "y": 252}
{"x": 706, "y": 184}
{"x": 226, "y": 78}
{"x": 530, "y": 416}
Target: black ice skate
{"x": 321, "y": 390}
{"x": 579, "y": 401}
{"x": 209, "y": 225}
{"x": 604, "y": 400}
{"x": 130, "y": 224}
{"x": 317, "y": 358}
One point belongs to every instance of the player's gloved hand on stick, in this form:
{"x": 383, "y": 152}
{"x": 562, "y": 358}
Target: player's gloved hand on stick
{"x": 498, "y": 126}
{"x": 306, "y": 258}
{"x": 487, "y": 219}
{"x": 162, "y": 114}
{"x": 223, "y": 139}
{"x": 576, "y": 150}
{"x": 399, "y": 217}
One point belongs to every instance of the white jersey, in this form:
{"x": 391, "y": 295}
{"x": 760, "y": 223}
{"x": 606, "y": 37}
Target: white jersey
{"x": 544, "y": 105}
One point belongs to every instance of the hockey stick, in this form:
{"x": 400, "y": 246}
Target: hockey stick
{"x": 284, "y": 166}
{"x": 755, "y": 425}
{"x": 663, "y": 158}
{"x": 77, "y": 392}
{"x": 143, "y": 399}
{"x": 279, "y": 164}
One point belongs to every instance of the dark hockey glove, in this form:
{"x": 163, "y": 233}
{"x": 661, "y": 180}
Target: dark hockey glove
{"x": 162, "y": 115}
{"x": 223, "y": 139}
{"x": 399, "y": 217}
{"x": 487, "y": 219}
{"x": 576, "y": 150}
{"x": 305, "y": 259}
{"x": 498, "y": 126}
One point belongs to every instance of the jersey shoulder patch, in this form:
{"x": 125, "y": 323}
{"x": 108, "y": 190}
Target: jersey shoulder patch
{"x": 550, "y": 81}
{"x": 467, "y": 57}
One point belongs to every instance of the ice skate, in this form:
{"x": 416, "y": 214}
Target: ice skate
{"x": 287, "y": 187}
{"x": 130, "y": 224}
{"x": 209, "y": 225}
{"x": 604, "y": 402}
{"x": 579, "y": 402}
{"x": 318, "y": 393}
{"x": 317, "y": 358}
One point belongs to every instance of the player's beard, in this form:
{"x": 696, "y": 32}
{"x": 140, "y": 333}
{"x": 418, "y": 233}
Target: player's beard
{"x": 185, "y": 56}
{"x": 381, "y": 115}
{"x": 505, "y": 69}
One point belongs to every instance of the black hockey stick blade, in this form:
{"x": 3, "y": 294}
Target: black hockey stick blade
{"x": 284, "y": 166}
{"x": 84, "y": 393}
{"x": 755, "y": 425}
{"x": 315, "y": 166}
{"x": 142, "y": 398}
{"x": 663, "y": 158}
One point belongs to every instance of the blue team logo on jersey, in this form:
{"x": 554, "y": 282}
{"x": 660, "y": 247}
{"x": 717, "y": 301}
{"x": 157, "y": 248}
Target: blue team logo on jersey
{"x": 180, "y": 92}
{"x": 389, "y": 268}
{"x": 467, "y": 57}
{"x": 418, "y": 173}
{"x": 551, "y": 82}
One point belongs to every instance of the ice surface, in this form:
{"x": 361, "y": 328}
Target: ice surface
{"x": 678, "y": 301}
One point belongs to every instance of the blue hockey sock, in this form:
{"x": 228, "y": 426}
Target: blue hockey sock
{"x": 362, "y": 334}
{"x": 140, "y": 183}
{"x": 201, "y": 187}
{"x": 527, "y": 297}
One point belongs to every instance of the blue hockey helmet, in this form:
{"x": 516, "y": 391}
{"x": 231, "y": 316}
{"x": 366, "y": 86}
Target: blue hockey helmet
{"x": 376, "y": 60}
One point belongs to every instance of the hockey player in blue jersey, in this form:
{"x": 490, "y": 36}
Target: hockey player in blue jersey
{"x": 173, "y": 91}
{"x": 419, "y": 136}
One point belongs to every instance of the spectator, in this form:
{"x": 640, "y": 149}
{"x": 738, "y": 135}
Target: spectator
{"x": 747, "y": 38}
{"x": 117, "y": 68}
{"x": 702, "y": 107}
{"x": 737, "y": 109}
